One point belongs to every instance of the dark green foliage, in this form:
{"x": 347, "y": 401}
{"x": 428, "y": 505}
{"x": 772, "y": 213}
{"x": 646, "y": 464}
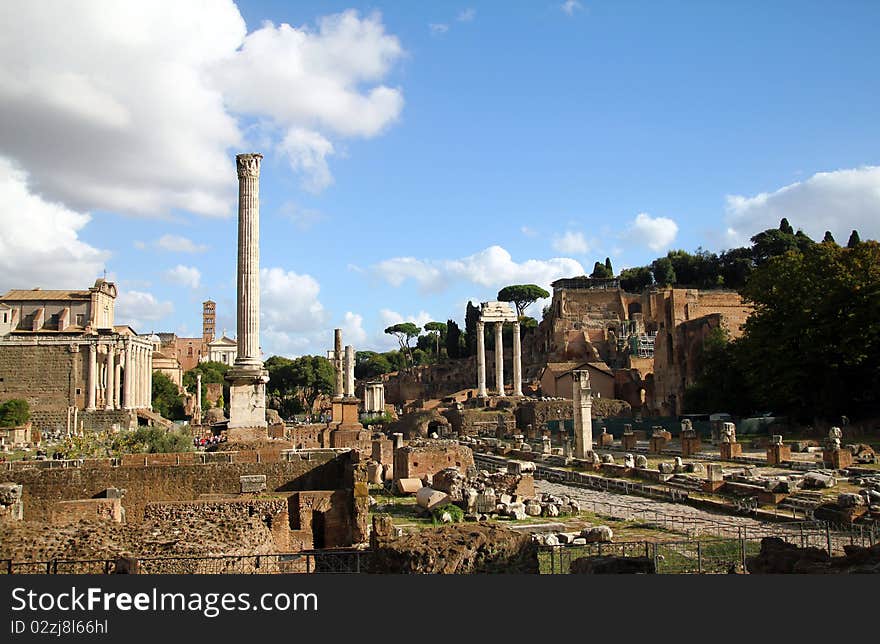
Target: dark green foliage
{"x": 721, "y": 385}
{"x": 404, "y": 332}
{"x": 663, "y": 272}
{"x": 608, "y": 268}
{"x": 167, "y": 400}
{"x": 453, "y": 340}
{"x": 295, "y": 385}
{"x": 636, "y": 280}
{"x": 522, "y": 295}
{"x": 454, "y": 511}
{"x": 14, "y": 413}
{"x": 785, "y": 227}
{"x": 437, "y": 332}
{"x": 600, "y": 271}
{"x": 828, "y": 238}
{"x": 152, "y": 440}
{"x": 854, "y": 239}
{"x": 212, "y": 372}
{"x": 471, "y": 317}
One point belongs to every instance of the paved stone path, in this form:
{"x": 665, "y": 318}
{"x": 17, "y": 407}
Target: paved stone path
{"x": 671, "y": 516}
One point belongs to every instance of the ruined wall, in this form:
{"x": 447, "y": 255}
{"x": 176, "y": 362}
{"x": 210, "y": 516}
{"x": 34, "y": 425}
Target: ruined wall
{"x": 421, "y": 458}
{"x": 49, "y": 377}
{"x": 44, "y": 486}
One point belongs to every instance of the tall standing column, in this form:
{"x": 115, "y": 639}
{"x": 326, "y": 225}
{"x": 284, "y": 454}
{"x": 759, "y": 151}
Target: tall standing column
{"x": 129, "y": 373}
{"x": 135, "y": 377}
{"x": 481, "y": 360}
{"x": 349, "y": 371}
{"x": 148, "y": 380}
{"x": 517, "y": 361}
{"x": 117, "y": 382}
{"x": 110, "y": 371}
{"x": 249, "y": 260}
{"x": 337, "y": 362}
{"x": 198, "y": 405}
{"x": 247, "y": 379}
{"x": 582, "y": 403}
{"x": 92, "y": 377}
{"x": 499, "y": 358}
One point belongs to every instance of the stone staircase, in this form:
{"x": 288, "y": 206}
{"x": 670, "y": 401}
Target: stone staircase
{"x": 154, "y": 418}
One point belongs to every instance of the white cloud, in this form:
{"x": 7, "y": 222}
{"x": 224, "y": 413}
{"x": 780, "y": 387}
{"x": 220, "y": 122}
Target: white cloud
{"x": 324, "y": 74}
{"x": 839, "y": 201}
{"x": 39, "y": 240}
{"x": 138, "y": 308}
{"x": 353, "y": 329}
{"x": 528, "y": 232}
{"x": 571, "y": 242}
{"x": 140, "y": 100}
{"x": 491, "y": 267}
{"x": 657, "y": 233}
{"x": 397, "y": 270}
{"x": 178, "y": 244}
{"x": 466, "y": 15}
{"x": 570, "y": 6}
{"x": 307, "y": 153}
{"x": 494, "y": 266}
{"x": 438, "y": 28}
{"x": 292, "y": 317}
{"x": 188, "y": 276}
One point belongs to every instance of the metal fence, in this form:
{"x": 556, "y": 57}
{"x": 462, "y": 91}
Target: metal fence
{"x": 306, "y": 562}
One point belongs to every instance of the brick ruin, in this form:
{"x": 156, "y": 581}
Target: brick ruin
{"x": 304, "y": 500}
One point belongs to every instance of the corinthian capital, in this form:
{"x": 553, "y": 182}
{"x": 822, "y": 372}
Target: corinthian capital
{"x": 248, "y": 165}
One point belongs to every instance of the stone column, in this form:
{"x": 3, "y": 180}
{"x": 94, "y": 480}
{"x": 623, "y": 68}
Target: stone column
{"x": 148, "y": 384}
{"x": 481, "y": 360}
{"x": 92, "y": 377}
{"x": 247, "y": 378}
{"x": 110, "y": 371}
{"x": 582, "y": 403}
{"x": 499, "y": 358}
{"x": 136, "y": 377}
{"x": 517, "y": 361}
{"x": 117, "y": 382}
{"x": 349, "y": 371}
{"x": 129, "y": 373}
{"x": 198, "y": 405}
{"x": 249, "y": 260}
{"x": 339, "y": 391}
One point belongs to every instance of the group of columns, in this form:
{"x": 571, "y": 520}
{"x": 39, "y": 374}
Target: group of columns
{"x": 120, "y": 376}
{"x": 344, "y": 364}
{"x": 499, "y": 360}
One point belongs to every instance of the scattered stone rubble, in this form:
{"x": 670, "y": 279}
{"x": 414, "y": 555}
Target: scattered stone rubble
{"x": 779, "y": 557}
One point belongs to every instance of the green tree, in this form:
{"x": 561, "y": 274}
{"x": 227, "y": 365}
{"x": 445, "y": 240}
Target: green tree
{"x": 453, "y": 340}
{"x": 212, "y": 373}
{"x": 812, "y": 344}
{"x": 167, "y": 400}
{"x": 404, "y": 332}
{"x": 785, "y": 227}
{"x": 600, "y": 271}
{"x": 608, "y": 268}
{"x": 636, "y": 280}
{"x": 471, "y": 317}
{"x": 14, "y": 412}
{"x": 311, "y": 377}
{"x": 735, "y": 267}
{"x": 828, "y": 238}
{"x": 663, "y": 272}
{"x": 854, "y": 239}
{"x": 720, "y": 385}
{"x": 522, "y": 295}
{"x": 437, "y": 330}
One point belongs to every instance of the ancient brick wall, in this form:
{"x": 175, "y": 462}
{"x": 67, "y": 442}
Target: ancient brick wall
{"x": 165, "y": 482}
{"x": 273, "y": 513}
{"x": 427, "y": 457}
{"x": 47, "y": 376}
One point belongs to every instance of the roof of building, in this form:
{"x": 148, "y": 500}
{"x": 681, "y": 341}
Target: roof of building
{"x": 560, "y": 369}
{"x": 223, "y": 340}
{"x": 40, "y": 295}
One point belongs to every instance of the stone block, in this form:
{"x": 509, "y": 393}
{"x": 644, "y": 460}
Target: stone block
{"x": 252, "y": 483}
{"x": 628, "y": 442}
{"x": 730, "y": 450}
{"x": 657, "y": 444}
{"x": 777, "y": 454}
{"x": 409, "y": 486}
{"x": 837, "y": 459}
{"x": 430, "y": 498}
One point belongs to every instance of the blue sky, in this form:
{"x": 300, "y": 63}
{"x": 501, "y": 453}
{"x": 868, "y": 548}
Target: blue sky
{"x": 417, "y": 155}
